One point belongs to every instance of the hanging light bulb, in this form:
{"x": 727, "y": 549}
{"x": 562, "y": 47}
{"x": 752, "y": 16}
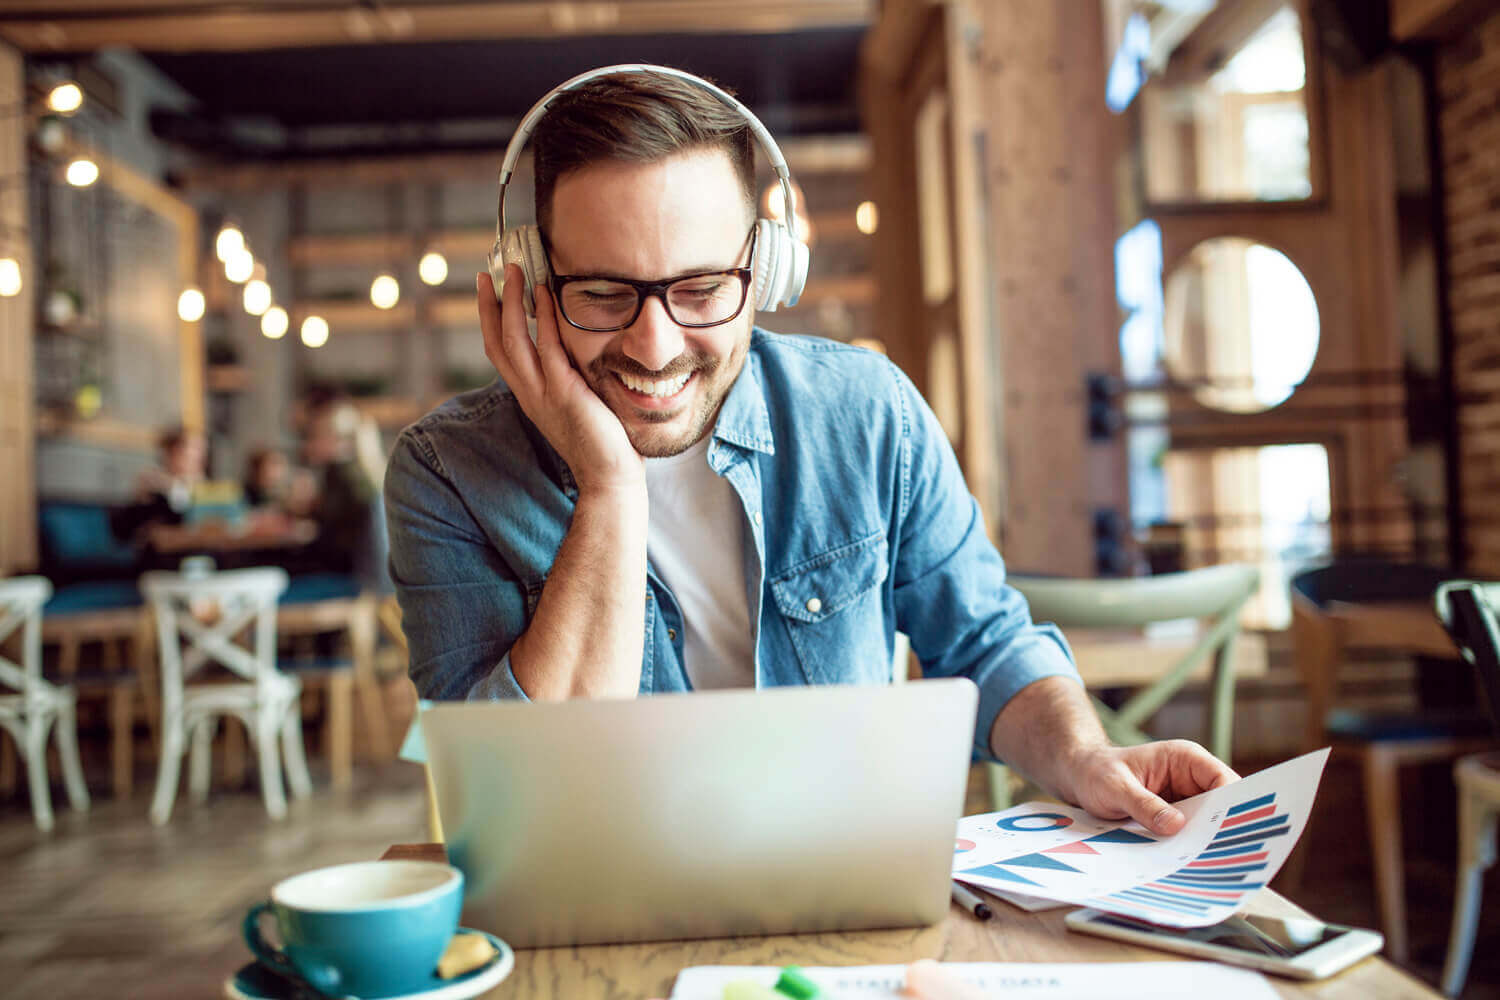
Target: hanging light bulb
{"x": 257, "y": 296}
{"x": 274, "y": 323}
{"x": 867, "y": 217}
{"x": 315, "y": 331}
{"x": 385, "y": 291}
{"x": 240, "y": 266}
{"x": 433, "y": 268}
{"x": 82, "y": 172}
{"x": 65, "y": 98}
{"x": 229, "y": 242}
{"x": 10, "y": 277}
{"x": 190, "y": 305}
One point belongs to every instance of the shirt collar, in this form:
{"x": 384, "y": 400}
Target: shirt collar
{"x": 744, "y": 420}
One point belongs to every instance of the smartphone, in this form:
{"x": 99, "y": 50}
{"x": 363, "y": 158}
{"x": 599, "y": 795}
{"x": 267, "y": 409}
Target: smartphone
{"x": 1299, "y": 947}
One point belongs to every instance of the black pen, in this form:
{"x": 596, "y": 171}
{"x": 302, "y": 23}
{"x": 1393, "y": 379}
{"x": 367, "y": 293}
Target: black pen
{"x": 971, "y": 902}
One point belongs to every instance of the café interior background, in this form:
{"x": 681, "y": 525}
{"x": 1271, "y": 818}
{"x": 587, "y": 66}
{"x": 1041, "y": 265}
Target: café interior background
{"x": 1186, "y": 281}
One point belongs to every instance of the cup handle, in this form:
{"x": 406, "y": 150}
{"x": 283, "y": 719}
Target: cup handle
{"x": 322, "y": 981}
{"x": 272, "y": 957}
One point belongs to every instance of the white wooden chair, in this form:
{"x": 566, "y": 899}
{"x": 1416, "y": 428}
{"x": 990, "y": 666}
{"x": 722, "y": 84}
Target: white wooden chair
{"x": 37, "y": 706}
{"x": 198, "y": 618}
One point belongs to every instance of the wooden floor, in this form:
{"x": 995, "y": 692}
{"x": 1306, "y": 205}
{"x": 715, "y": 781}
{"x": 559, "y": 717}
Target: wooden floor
{"x": 109, "y": 906}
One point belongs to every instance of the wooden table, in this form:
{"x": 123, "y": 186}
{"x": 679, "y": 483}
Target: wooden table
{"x": 641, "y": 971}
{"x": 218, "y": 537}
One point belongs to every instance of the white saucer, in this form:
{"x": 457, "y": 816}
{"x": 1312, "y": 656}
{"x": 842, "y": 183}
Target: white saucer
{"x": 254, "y": 982}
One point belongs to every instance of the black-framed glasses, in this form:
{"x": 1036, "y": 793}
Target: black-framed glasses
{"x": 604, "y": 305}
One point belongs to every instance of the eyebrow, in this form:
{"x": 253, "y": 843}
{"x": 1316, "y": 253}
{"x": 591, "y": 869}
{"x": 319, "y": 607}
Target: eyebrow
{"x": 610, "y": 275}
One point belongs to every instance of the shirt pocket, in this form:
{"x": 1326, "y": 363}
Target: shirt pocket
{"x": 833, "y": 609}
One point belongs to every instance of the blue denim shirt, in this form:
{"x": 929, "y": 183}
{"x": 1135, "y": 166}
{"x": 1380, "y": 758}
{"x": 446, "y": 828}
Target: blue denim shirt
{"x": 860, "y": 525}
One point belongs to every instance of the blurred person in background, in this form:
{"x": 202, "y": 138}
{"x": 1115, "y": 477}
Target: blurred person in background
{"x": 342, "y": 449}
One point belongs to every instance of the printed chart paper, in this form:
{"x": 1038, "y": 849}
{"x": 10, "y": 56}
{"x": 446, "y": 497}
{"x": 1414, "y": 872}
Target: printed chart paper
{"x": 1236, "y": 838}
{"x": 1061, "y": 981}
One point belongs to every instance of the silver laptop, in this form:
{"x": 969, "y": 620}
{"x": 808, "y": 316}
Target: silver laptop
{"x": 712, "y": 814}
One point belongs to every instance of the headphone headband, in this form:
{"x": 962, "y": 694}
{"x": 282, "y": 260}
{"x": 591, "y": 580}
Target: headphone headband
{"x": 534, "y": 116}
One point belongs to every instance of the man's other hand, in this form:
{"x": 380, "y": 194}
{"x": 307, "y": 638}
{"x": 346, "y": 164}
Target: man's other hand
{"x": 585, "y": 432}
{"x": 1141, "y": 782}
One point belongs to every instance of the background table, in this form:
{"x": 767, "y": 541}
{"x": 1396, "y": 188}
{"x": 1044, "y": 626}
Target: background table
{"x": 641, "y": 971}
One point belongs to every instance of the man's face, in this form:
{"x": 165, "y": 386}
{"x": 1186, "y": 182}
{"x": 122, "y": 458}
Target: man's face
{"x": 652, "y": 222}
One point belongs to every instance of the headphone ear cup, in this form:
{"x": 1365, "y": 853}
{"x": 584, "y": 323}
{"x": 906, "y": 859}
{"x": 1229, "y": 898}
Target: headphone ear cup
{"x": 767, "y": 247}
{"x": 521, "y": 246}
{"x": 781, "y": 263}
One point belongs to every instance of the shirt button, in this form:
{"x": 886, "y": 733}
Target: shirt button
{"x": 814, "y": 605}
{"x": 672, "y": 634}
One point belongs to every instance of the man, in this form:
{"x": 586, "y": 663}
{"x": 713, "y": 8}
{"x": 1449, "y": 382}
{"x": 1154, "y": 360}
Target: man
{"x": 661, "y": 497}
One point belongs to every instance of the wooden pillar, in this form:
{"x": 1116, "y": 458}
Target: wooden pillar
{"x": 1049, "y": 157}
{"x": 18, "y": 543}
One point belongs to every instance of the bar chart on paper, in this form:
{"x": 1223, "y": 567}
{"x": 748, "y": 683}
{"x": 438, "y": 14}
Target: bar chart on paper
{"x": 1235, "y": 840}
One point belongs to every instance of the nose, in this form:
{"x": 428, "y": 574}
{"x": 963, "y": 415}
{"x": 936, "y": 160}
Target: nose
{"x": 653, "y": 340}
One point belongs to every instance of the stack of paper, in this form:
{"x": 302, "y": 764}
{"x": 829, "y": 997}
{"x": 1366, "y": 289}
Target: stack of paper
{"x": 1236, "y": 838}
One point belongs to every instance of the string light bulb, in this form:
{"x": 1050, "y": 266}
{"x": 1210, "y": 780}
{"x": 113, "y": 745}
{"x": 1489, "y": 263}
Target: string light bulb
{"x": 190, "y": 305}
{"x": 433, "y": 268}
{"x": 385, "y": 291}
{"x": 257, "y": 296}
{"x": 274, "y": 323}
{"x": 867, "y": 218}
{"x": 315, "y": 331}
{"x": 229, "y": 242}
{"x": 82, "y": 172}
{"x": 65, "y": 98}
{"x": 10, "y": 277}
{"x": 240, "y": 267}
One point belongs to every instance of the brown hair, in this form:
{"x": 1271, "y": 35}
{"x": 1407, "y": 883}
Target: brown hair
{"x": 636, "y": 118}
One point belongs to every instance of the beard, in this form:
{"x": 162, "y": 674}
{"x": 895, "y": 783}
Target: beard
{"x": 664, "y": 433}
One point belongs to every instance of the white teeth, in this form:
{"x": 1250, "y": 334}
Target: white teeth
{"x": 664, "y": 388}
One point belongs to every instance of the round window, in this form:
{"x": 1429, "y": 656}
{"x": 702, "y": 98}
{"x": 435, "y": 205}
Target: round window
{"x": 1241, "y": 325}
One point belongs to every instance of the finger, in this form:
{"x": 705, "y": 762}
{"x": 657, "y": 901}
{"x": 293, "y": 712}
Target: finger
{"x": 489, "y": 323}
{"x": 554, "y": 356}
{"x": 1151, "y": 810}
{"x": 1195, "y": 770}
{"x": 515, "y": 339}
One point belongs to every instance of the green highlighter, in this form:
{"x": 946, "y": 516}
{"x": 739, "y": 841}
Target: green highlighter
{"x": 793, "y": 983}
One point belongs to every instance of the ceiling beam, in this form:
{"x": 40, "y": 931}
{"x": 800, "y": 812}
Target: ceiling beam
{"x": 804, "y": 155}
{"x": 60, "y": 26}
{"x": 1434, "y": 20}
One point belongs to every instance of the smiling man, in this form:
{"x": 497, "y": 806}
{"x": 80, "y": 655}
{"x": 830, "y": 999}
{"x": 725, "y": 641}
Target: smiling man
{"x": 659, "y": 496}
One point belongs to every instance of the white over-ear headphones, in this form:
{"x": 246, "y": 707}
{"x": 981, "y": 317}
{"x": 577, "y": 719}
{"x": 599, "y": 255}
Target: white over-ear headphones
{"x": 781, "y": 260}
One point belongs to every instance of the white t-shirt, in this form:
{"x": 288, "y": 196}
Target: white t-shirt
{"x": 696, "y": 543}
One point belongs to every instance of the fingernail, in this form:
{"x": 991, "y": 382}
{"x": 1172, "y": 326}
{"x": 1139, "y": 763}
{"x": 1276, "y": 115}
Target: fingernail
{"x": 1161, "y": 818}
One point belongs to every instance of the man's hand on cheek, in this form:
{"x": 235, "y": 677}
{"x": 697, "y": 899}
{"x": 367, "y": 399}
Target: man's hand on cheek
{"x": 1140, "y": 782}
{"x": 585, "y": 432}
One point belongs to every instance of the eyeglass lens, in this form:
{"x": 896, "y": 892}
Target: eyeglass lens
{"x": 700, "y": 300}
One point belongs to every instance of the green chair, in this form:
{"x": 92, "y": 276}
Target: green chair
{"x": 1216, "y": 594}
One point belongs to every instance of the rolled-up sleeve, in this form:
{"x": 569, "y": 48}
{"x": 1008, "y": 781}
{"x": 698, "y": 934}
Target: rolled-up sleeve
{"x": 462, "y": 607}
{"x": 951, "y": 597}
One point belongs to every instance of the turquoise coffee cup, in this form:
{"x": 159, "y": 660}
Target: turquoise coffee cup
{"x": 368, "y": 929}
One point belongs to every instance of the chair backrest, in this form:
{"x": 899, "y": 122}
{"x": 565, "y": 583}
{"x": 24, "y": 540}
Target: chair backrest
{"x": 199, "y": 615}
{"x": 21, "y": 601}
{"x": 1216, "y": 592}
{"x": 1468, "y": 611}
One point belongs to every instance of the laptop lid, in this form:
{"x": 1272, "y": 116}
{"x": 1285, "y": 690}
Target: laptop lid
{"x": 711, "y": 814}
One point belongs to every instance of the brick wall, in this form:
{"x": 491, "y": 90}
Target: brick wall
{"x": 1469, "y": 94}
